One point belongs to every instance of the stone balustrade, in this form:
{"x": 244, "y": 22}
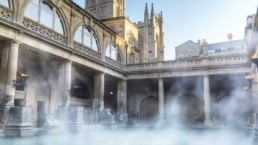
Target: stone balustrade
{"x": 85, "y": 50}
{"x": 38, "y": 28}
{"x": 188, "y": 63}
{"x": 114, "y": 63}
{"x": 6, "y": 13}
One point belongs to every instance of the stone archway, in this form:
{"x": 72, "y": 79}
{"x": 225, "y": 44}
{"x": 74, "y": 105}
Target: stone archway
{"x": 189, "y": 109}
{"x": 149, "y": 110}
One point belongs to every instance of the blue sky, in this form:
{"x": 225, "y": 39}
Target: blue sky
{"x": 196, "y": 19}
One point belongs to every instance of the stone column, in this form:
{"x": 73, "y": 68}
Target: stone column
{"x": 122, "y": 102}
{"x": 99, "y": 84}
{"x": 67, "y": 83}
{"x": 254, "y": 93}
{"x": 98, "y": 102}
{"x": 8, "y": 77}
{"x": 101, "y": 90}
{"x": 66, "y": 90}
{"x": 11, "y": 71}
{"x": 161, "y": 101}
{"x": 206, "y": 94}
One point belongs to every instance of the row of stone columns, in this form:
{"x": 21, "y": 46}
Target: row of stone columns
{"x": 206, "y": 95}
{"x": 10, "y": 53}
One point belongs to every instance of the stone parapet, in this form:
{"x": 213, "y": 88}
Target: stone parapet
{"x": 188, "y": 63}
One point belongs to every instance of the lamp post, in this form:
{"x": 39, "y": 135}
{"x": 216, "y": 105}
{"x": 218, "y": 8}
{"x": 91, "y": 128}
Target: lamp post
{"x": 250, "y": 79}
{"x": 24, "y": 77}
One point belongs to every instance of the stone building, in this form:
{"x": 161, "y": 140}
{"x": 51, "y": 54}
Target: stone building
{"x": 62, "y": 64}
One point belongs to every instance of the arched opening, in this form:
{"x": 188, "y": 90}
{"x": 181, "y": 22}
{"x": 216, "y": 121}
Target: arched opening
{"x": 149, "y": 110}
{"x": 188, "y": 109}
{"x": 112, "y": 51}
{"x": 45, "y": 14}
{"x": 5, "y": 3}
{"x": 86, "y": 37}
{"x": 230, "y": 101}
{"x": 80, "y": 90}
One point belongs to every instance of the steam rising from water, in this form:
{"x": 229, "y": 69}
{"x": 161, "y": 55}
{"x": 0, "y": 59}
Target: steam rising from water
{"x": 139, "y": 137}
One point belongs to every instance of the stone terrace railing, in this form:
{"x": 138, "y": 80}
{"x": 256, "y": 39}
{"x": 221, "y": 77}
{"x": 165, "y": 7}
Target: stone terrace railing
{"x": 114, "y": 63}
{"x": 36, "y": 27}
{"x": 6, "y": 13}
{"x": 85, "y": 50}
{"x": 188, "y": 63}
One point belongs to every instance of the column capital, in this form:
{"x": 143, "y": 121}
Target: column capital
{"x": 100, "y": 73}
{"x": 12, "y": 42}
{"x": 160, "y": 78}
{"x": 205, "y": 75}
{"x": 68, "y": 60}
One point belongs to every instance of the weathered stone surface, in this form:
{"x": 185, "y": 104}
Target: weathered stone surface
{"x": 75, "y": 119}
{"x": 3, "y": 113}
{"x": 18, "y": 122}
{"x": 107, "y": 117}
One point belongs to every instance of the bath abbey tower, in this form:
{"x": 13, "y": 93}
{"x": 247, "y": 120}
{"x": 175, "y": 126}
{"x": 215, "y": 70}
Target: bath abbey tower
{"x": 145, "y": 40}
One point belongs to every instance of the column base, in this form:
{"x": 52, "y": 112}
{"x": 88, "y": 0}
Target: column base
{"x": 75, "y": 119}
{"x": 122, "y": 117}
{"x": 18, "y": 122}
{"x": 161, "y": 123}
{"x": 3, "y": 116}
{"x": 207, "y": 123}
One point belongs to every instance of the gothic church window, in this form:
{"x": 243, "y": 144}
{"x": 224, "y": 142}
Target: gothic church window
{"x": 112, "y": 51}
{"x": 86, "y": 37}
{"x": 5, "y": 3}
{"x": 45, "y": 14}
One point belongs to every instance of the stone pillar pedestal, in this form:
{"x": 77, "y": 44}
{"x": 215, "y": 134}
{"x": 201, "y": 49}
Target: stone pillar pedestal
{"x": 75, "y": 119}
{"x": 206, "y": 94}
{"x": 3, "y": 116}
{"x": 107, "y": 119}
{"x": 18, "y": 122}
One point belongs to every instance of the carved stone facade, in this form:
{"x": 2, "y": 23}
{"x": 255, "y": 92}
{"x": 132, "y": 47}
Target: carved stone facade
{"x": 56, "y": 76}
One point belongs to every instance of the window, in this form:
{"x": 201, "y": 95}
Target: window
{"x": 223, "y": 49}
{"x": 112, "y": 51}
{"x": 191, "y": 52}
{"x": 86, "y": 37}
{"x": 5, "y": 3}
{"x": 237, "y": 47}
{"x": 231, "y": 49}
{"x": 181, "y": 53}
{"x": 211, "y": 51}
{"x": 44, "y": 14}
